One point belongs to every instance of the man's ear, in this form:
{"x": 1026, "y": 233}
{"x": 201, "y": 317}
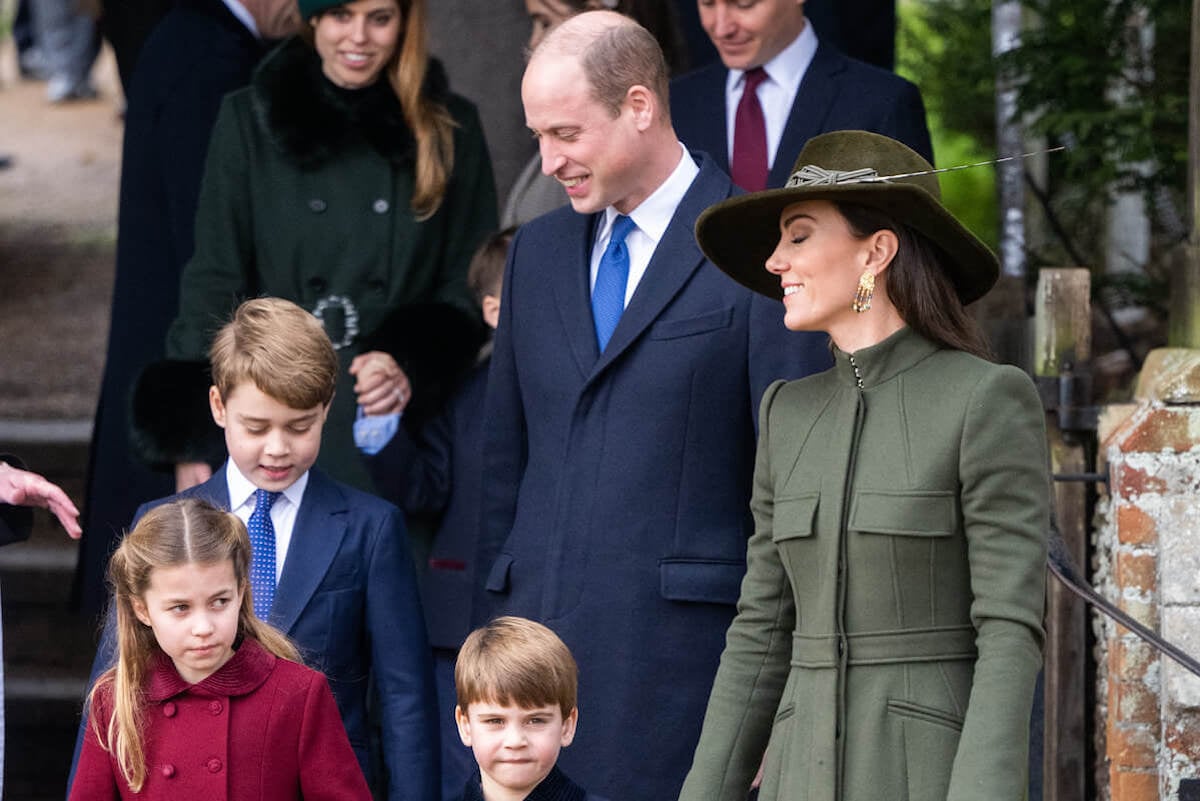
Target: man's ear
{"x": 216, "y": 405}
{"x": 464, "y": 726}
{"x": 644, "y": 105}
{"x": 491, "y": 310}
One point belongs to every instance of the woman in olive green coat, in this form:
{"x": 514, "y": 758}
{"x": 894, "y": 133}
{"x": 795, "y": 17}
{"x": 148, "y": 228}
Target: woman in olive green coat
{"x": 889, "y": 633}
{"x": 348, "y": 179}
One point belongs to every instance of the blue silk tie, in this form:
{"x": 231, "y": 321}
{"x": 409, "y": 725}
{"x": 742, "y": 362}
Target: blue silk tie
{"x": 262, "y": 550}
{"x": 608, "y": 296}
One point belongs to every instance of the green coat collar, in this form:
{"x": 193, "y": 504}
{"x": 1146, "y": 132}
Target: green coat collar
{"x": 881, "y": 362}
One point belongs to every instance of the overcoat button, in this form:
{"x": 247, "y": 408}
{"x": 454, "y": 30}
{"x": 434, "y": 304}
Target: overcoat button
{"x": 317, "y": 205}
{"x": 380, "y": 206}
{"x": 214, "y": 765}
{"x": 317, "y": 284}
{"x": 169, "y": 709}
{"x": 168, "y": 771}
{"x": 215, "y": 707}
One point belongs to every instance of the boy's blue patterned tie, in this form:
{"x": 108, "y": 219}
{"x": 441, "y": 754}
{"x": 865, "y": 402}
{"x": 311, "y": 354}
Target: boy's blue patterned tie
{"x": 608, "y": 296}
{"x": 262, "y": 550}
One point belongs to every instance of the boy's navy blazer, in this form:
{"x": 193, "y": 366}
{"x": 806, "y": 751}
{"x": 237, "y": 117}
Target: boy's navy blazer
{"x": 616, "y": 486}
{"x": 348, "y": 598}
{"x": 837, "y": 93}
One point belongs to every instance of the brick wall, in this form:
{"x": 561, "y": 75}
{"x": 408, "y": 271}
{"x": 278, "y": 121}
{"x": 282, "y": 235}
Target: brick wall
{"x": 1149, "y": 562}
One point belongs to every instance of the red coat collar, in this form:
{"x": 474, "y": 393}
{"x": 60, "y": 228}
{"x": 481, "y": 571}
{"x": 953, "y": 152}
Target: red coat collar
{"x": 246, "y": 670}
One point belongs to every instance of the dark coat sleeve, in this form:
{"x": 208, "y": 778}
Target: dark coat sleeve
{"x": 16, "y": 522}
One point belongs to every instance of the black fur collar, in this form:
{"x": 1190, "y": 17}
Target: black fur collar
{"x": 311, "y": 120}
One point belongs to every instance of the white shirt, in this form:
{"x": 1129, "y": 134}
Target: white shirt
{"x": 650, "y": 218}
{"x": 777, "y": 93}
{"x": 245, "y": 17}
{"x": 283, "y": 511}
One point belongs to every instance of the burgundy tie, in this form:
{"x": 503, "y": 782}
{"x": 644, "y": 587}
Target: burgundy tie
{"x": 750, "y": 136}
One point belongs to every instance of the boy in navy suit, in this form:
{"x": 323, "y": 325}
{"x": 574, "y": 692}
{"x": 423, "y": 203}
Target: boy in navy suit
{"x": 331, "y": 565}
{"x": 516, "y": 683}
{"x": 437, "y": 472}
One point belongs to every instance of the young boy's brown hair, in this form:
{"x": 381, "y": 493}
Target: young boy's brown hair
{"x": 280, "y": 348}
{"x": 514, "y": 661}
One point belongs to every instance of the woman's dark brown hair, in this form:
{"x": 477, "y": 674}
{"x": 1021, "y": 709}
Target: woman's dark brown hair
{"x": 918, "y": 284}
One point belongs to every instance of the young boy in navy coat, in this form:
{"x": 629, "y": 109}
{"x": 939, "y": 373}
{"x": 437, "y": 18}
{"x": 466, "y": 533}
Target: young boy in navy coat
{"x": 516, "y": 683}
{"x": 437, "y": 472}
{"x": 337, "y": 560}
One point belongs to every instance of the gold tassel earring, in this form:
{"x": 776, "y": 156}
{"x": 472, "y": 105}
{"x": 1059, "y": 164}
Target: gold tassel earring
{"x": 864, "y": 292}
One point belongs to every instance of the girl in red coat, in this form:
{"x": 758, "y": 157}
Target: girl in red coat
{"x": 206, "y": 701}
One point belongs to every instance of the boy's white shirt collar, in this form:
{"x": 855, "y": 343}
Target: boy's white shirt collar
{"x": 245, "y": 17}
{"x": 241, "y": 489}
{"x": 283, "y": 512}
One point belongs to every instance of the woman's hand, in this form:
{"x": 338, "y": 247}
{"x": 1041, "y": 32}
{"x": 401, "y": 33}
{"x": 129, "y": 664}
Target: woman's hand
{"x": 23, "y": 488}
{"x": 382, "y": 387}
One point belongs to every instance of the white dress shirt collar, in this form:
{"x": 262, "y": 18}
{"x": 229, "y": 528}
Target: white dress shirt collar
{"x": 652, "y": 216}
{"x": 283, "y": 511}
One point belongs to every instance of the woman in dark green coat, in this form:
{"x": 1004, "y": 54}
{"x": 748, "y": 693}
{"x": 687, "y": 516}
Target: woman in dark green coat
{"x": 889, "y": 630}
{"x": 349, "y": 179}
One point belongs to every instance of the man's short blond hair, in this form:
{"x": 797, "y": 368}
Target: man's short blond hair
{"x": 514, "y": 661}
{"x": 280, "y": 348}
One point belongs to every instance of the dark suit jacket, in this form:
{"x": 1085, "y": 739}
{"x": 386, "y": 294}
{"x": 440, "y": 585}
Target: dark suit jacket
{"x": 197, "y": 54}
{"x": 437, "y": 473}
{"x": 617, "y": 485}
{"x": 837, "y": 93}
{"x": 347, "y": 597}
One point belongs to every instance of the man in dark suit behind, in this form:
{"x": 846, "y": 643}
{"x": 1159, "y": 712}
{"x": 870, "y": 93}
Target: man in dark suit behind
{"x": 619, "y": 420}
{"x": 804, "y": 86}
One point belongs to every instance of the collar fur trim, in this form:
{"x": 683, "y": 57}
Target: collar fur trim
{"x": 312, "y": 121}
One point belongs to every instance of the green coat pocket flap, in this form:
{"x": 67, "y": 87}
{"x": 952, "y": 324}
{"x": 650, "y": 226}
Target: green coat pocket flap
{"x": 714, "y": 581}
{"x": 794, "y": 516}
{"x": 908, "y": 514}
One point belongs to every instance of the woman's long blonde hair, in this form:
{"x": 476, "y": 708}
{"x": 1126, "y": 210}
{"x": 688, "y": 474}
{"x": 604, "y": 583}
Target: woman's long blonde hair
{"x": 431, "y": 123}
{"x": 177, "y": 533}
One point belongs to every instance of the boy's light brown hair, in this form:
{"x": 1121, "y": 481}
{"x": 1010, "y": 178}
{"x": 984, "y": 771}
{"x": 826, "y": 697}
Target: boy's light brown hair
{"x": 280, "y": 348}
{"x": 516, "y": 662}
{"x": 485, "y": 275}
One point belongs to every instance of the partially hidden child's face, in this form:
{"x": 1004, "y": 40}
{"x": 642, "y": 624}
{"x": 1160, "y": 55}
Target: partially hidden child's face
{"x": 193, "y": 610}
{"x": 271, "y": 443}
{"x": 515, "y": 747}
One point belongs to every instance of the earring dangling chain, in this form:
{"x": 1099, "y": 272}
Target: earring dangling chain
{"x": 864, "y": 292}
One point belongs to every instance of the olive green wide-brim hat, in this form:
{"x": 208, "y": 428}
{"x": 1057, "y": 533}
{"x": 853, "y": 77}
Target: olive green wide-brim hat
{"x": 740, "y": 234}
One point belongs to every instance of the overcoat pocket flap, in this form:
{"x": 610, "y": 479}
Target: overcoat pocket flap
{"x": 497, "y": 580}
{"x": 714, "y": 581}
{"x": 794, "y": 516}
{"x": 908, "y": 514}
{"x": 686, "y": 327}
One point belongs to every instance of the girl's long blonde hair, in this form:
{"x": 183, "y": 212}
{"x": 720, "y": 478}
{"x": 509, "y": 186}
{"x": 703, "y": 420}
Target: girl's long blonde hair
{"x": 177, "y": 533}
{"x": 431, "y": 123}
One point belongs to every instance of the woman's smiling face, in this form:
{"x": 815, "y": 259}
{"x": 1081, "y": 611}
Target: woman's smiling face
{"x": 818, "y": 261}
{"x": 357, "y": 40}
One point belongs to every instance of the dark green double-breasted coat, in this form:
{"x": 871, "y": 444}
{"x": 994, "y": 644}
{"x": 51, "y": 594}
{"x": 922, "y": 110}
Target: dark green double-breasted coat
{"x": 306, "y": 196}
{"x": 889, "y": 630}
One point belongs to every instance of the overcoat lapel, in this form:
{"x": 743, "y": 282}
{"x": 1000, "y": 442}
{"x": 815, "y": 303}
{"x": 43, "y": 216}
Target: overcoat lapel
{"x": 317, "y": 536}
{"x": 675, "y": 259}
{"x": 570, "y": 266}
{"x": 816, "y": 95}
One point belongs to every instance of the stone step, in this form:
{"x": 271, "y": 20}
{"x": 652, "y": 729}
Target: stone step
{"x": 48, "y": 648}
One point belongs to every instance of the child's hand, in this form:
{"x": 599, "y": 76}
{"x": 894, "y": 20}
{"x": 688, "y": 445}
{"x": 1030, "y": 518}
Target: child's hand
{"x": 191, "y": 474}
{"x": 382, "y": 387}
{"x": 23, "y": 488}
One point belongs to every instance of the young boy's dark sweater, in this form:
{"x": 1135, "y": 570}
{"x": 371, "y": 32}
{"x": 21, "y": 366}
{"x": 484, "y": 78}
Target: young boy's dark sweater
{"x": 555, "y": 787}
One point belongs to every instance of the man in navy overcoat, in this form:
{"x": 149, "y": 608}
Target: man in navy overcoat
{"x": 811, "y": 88}
{"x": 617, "y": 477}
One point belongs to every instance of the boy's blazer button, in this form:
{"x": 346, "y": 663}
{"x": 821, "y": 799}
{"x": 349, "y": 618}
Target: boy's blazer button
{"x": 214, "y": 765}
{"x": 215, "y": 707}
{"x": 168, "y": 771}
{"x": 380, "y": 206}
{"x": 169, "y": 709}
{"x": 317, "y": 205}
